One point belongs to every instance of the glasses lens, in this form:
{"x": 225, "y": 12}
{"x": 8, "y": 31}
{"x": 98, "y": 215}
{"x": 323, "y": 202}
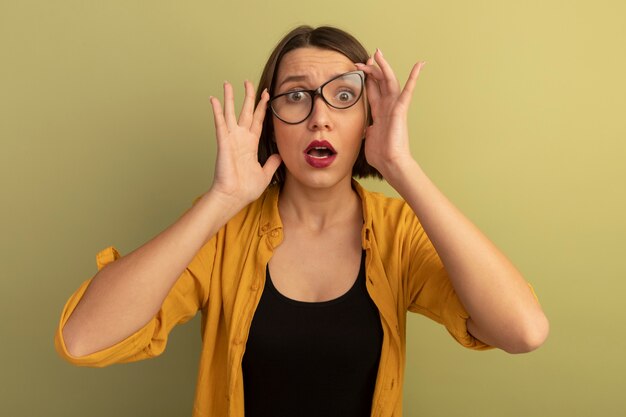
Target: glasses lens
{"x": 344, "y": 91}
{"x": 341, "y": 93}
{"x": 292, "y": 107}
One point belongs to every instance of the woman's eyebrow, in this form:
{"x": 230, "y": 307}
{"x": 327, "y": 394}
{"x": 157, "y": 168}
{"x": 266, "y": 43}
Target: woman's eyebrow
{"x": 302, "y": 78}
{"x": 293, "y": 78}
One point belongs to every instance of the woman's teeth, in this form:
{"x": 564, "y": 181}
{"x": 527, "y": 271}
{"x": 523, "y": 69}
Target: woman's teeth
{"x": 320, "y": 152}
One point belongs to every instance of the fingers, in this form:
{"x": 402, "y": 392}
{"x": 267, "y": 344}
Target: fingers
{"x": 271, "y": 165}
{"x": 382, "y": 73}
{"x": 218, "y": 116}
{"x": 259, "y": 114}
{"x": 229, "y": 106}
{"x": 407, "y": 91}
{"x": 249, "y": 117}
{"x": 370, "y": 69}
{"x": 371, "y": 85}
{"x": 382, "y": 83}
{"x": 388, "y": 77}
{"x": 245, "y": 118}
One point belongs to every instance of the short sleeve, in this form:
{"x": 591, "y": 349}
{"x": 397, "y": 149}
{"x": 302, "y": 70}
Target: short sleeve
{"x": 429, "y": 289}
{"x": 187, "y": 296}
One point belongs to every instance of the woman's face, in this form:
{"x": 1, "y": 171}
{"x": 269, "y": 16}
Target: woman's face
{"x": 320, "y": 151}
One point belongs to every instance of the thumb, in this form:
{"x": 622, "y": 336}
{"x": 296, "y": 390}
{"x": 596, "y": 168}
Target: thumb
{"x": 271, "y": 165}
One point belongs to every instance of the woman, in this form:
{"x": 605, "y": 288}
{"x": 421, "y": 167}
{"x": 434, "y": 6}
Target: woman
{"x": 303, "y": 277}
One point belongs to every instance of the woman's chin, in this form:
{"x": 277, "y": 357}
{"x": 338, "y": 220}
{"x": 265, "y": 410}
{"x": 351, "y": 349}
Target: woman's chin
{"x": 319, "y": 179}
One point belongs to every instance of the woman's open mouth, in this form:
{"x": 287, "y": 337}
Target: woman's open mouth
{"x": 319, "y": 154}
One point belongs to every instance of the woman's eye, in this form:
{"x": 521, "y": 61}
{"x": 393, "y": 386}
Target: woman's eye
{"x": 345, "y": 96}
{"x": 295, "y": 96}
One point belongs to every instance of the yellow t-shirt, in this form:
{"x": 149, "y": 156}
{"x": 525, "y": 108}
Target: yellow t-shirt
{"x": 226, "y": 278}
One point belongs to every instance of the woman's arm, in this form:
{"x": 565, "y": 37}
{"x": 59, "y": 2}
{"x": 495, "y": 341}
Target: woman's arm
{"x": 503, "y": 310}
{"x": 126, "y": 294}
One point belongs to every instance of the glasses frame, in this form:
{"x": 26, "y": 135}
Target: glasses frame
{"x": 319, "y": 91}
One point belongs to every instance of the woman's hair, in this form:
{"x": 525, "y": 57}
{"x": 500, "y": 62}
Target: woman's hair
{"x": 324, "y": 37}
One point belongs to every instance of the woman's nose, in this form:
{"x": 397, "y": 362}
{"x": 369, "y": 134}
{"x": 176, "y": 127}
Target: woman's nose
{"x": 320, "y": 115}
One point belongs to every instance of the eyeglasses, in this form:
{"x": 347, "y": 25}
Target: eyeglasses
{"x": 340, "y": 92}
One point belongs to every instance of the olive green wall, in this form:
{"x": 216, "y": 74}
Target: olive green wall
{"x": 518, "y": 116}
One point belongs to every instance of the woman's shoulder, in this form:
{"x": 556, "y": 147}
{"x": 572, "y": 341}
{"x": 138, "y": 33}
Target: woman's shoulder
{"x": 378, "y": 204}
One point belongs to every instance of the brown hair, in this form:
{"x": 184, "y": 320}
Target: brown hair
{"x": 325, "y": 37}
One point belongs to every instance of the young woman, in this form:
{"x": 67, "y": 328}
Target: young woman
{"x": 303, "y": 277}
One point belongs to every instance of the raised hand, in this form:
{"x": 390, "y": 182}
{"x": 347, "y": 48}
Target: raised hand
{"x": 387, "y": 139}
{"x": 239, "y": 178}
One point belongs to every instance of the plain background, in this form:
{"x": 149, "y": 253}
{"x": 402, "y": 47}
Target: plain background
{"x": 518, "y": 117}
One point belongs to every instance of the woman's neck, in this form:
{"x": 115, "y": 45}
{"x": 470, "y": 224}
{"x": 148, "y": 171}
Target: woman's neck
{"x": 318, "y": 208}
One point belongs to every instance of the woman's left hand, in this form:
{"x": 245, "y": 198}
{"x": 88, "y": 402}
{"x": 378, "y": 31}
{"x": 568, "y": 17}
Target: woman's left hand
{"x": 387, "y": 139}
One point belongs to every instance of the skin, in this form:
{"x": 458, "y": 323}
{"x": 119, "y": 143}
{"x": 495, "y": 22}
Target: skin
{"x": 344, "y": 129}
{"x": 503, "y": 312}
{"x": 315, "y": 206}
{"x": 321, "y": 214}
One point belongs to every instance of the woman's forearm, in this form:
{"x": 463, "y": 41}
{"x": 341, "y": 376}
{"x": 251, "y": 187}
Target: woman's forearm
{"x": 503, "y": 310}
{"x": 127, "y": 293}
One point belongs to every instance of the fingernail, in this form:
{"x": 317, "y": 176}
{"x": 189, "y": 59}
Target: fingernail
{"x": 379, "y": 51}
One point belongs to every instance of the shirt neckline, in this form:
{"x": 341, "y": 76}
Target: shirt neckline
{"x": 316, "y": 304}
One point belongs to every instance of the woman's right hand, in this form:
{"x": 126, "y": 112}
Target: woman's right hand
{"x": 125, "y": 295}
{"x": 239, "y": 177}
